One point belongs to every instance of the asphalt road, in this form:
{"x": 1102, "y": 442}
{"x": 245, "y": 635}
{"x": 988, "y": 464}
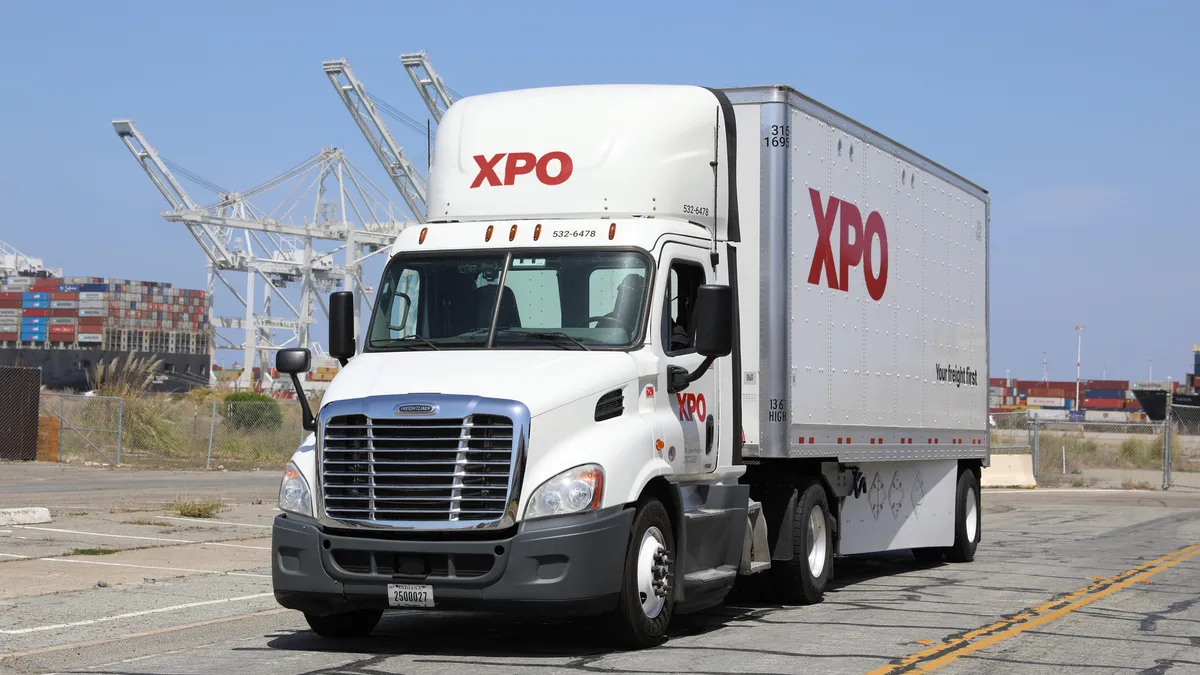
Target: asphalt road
{"x": 1064, "y": 581}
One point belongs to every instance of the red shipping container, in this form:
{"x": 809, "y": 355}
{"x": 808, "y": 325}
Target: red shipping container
{"x": 64, "y": 312}
{"x": 11, "y": 295}
{"x": 35, "y": 312}
{"x": 58, "y": 337}
{"x": 8, "y": 337}
{"x": 44, "y": 286}
{"x": 62, "y": 330}
{"x": 1042, "y": 392}
{"x": 64, "y": 296}
{"x": 10, "y": 304}
{"x": 1104, "y": 403}
{"x": 1107, "y": 384}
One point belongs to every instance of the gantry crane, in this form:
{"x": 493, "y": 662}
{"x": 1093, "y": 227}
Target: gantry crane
{"x": 268, "y": 246}
{"x": 434, "y": 92}
{"x": 404, "y": 175}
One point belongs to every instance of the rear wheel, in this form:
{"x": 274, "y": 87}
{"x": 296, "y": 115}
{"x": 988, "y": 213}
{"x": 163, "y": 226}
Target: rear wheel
{"x": 647, "y": 597}
{"x": 802, "y": 579}
{"x": 358, "y": 623}
{"x": 968, "y": 520}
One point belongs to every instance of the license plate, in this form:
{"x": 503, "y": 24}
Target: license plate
{"x": 410, "y": 595}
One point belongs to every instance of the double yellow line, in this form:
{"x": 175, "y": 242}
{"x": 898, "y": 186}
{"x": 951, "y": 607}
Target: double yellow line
{"x": 929, "y": 660}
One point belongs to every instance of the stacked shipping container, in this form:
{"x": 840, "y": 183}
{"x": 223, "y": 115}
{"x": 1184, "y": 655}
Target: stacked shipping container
{"x": 112, "y": 314}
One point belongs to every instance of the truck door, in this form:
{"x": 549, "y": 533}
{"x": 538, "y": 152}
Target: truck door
{"x": 685, "y": 269}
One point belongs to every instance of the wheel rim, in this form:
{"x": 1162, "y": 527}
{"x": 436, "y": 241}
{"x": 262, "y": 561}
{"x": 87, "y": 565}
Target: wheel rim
{"x": 972, "y": 514}
{"x": 652, "y": 572}
{"x": 817, "y": 544}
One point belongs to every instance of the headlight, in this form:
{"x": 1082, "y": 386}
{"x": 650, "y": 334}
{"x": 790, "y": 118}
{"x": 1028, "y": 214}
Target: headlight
{"x": 571, "y": 491}
{"x": 293, "y": 492}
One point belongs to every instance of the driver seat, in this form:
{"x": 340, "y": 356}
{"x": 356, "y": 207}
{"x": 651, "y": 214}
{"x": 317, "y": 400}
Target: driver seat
{"x": 628, "y": 305}
{"x": 485, "y": 304}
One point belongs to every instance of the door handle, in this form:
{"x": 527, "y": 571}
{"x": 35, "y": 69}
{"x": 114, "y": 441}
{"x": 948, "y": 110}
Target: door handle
{"x": 709, "y": 433}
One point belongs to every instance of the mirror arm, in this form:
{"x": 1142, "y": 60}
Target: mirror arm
{"x": 678, "y": 379}
{"x": 307, "y": 420}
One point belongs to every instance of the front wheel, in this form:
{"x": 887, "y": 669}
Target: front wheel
{"x": 802, "y": 579}
{"x": 358, "y": 623}
{"x": 647, "y": 599}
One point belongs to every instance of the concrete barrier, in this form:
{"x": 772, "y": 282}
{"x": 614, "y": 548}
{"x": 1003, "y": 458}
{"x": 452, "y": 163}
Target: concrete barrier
{"x": 1009, "y": 471}
{"x": 26, "y": 516}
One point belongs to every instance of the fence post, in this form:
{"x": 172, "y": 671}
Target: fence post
{"x": 212, "y": 427}
{"x": 120, "y": 426}
{"x": 1036, "y": 437}
{"x": 1166, "y": 449}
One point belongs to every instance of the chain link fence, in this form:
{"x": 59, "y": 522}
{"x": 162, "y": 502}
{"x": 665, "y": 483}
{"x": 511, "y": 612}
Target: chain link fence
{"x": 1010, "y": 433}
{"x": 1183, "y": 467}
{"x": 163, "y": 432}
{"x": 1098, "y": 454}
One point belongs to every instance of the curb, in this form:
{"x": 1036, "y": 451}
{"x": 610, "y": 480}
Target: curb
{"x": 26, "y": 516}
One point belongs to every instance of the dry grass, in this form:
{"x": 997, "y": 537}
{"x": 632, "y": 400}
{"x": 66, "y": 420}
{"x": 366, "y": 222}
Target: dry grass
{"x": 146, "y": 521}
{"x": 197, "y": 508}
{"x": 93, "y": 551}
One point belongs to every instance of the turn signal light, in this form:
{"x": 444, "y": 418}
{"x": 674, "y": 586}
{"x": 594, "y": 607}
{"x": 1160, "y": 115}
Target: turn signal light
{"x": 424, "y": 231}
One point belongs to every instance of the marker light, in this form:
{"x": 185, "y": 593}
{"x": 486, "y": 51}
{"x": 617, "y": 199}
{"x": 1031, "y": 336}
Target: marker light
{"x": 612, "y": 231}
{"x": 512, "y": 232}
{"x": 424, "y": 231}
{"x": 487, "y": 236}
{"x": 537, "y": 231}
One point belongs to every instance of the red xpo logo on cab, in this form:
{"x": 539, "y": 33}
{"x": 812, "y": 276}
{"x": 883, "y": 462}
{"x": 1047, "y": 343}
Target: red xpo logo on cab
{"x": 692, "y": 407}
{"x": 520, "y": 163}
{"x": 854, "y": 246}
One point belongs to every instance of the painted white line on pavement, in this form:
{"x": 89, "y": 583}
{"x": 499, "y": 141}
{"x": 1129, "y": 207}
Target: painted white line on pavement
{"x": 10, "y": 555}
{"x": 152, "y": 567}
{"x": 131, "y": 536}
{"x": 131, "y": 615}
{"x": 214, "y": 522}
{"x": 221, "y": 543}
{"x": 5, "y": 531}
{"x": 105, "y": 534}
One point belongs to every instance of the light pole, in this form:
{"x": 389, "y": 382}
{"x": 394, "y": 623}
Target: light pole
{"x": 1078, "y": 358}
{"x": 1151, "y": 377}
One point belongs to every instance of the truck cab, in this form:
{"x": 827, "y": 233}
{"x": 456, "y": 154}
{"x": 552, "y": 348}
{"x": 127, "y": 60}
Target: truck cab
{"x": 544, "y": 393}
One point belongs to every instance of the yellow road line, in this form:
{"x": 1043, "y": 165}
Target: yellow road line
{"x": 929, "y": 660}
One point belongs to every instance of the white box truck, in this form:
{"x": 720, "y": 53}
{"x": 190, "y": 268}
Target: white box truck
{"x": 651, "y": 339}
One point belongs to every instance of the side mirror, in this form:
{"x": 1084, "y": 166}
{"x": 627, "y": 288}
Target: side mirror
{"x": 341, "y": 326}
{"x": 714, "y": 334}
{"x": 293, "y": 362}
{"x": 714, "y": 320}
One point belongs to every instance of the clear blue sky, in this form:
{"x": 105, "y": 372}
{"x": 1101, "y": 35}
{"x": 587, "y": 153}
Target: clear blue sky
{"x": 1081, "y": 118}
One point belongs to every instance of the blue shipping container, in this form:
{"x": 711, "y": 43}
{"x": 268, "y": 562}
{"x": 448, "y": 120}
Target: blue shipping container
{"x": 1104, "y": 393}
{"x": 36, "y": 296}
{"x": 68, "y": 288}
{"x": 36, "y": 304}
{"x": 33, "y": 338}
{"x": 31, "y": 320}
{"x": 93, "y": 288}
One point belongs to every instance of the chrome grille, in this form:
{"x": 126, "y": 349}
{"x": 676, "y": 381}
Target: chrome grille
{"x": 435, "y": 469}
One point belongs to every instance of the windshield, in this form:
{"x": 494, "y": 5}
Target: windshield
{"x": 531, "y": 299}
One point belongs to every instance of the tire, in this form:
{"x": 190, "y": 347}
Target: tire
{"x": 647, "y": 598}
{"x": 802, "y": 580}
{"x": 968, "y": 520}
{"x": 358, "y": 623}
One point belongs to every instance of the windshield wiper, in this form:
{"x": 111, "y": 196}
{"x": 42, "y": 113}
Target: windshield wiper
{"x": 394, "y": 342}
{"x": 556, "y": 336}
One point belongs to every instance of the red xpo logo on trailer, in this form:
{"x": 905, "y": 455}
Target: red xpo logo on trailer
{"x": 855, "y": 246}
{"x": 520, "y": 163}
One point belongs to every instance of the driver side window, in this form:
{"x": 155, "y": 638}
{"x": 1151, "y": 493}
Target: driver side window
{"x": 679, "y": 318}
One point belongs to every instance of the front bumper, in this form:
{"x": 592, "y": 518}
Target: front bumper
{"x": 571, "y": 565}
